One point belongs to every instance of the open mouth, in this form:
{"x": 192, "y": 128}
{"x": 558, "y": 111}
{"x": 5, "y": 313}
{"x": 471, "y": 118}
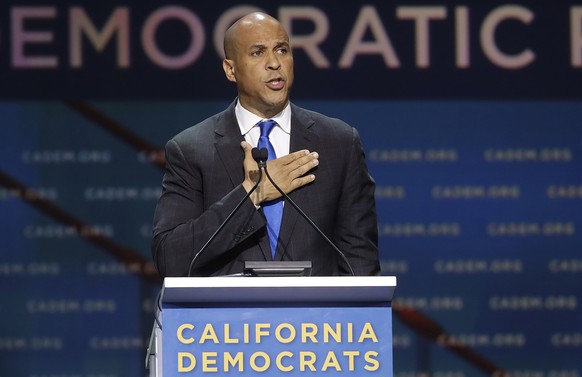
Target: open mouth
{"x": 276, "y": 83}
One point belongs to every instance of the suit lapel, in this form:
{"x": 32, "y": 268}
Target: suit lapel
{"x": 302, "y": 137}
{"x": 227, "y": 139}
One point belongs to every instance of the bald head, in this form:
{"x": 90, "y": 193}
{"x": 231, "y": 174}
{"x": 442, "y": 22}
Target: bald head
{"x": 244, "y": 25}
{"x": 258, "y": 59}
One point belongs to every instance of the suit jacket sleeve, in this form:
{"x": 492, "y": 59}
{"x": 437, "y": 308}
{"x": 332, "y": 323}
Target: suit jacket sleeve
{"x": 356, "y": 231}
{"x": 185, "y": 218}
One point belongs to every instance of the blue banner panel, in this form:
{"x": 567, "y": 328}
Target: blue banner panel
{"x": 173, "y": 50}
{"x": 479, "y": 207}
{"x": 470, "y": 116}
{"x": 277, "y": 341}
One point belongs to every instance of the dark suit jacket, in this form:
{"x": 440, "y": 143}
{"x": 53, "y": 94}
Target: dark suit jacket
{"x": 203, "y": 184}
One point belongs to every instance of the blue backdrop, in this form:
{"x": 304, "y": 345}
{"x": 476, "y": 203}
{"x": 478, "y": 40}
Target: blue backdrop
{"x": 469, "y": 115}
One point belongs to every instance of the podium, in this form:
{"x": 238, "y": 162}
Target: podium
{"x": 271, "y": 326}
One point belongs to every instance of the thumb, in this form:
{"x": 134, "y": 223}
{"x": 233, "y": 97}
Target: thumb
{"x": 246, "y": 147}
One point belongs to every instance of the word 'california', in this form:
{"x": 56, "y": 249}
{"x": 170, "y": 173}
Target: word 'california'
{"x": 316, "y": 347}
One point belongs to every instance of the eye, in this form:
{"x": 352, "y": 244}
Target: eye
{"x": 282, "y": 51}
{"x": 256, "y": 53}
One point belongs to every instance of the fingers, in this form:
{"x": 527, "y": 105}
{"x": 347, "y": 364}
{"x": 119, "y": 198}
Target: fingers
{"x": 306, "y": 163}
{"x": 298, "y": 164}
{"x": 300, "y": 159}
{"x": 290, "y": 171}
{"x": 292, "y": 157}
{"x": 302, "y": 181}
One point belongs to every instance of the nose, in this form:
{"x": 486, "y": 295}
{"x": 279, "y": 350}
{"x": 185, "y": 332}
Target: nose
{"x": 273, "y": 63}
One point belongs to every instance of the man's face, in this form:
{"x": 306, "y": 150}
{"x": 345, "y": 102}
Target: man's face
{"x": 262, "y": 67}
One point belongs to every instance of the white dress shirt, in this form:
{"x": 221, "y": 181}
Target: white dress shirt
{"x": 280, "y": 135}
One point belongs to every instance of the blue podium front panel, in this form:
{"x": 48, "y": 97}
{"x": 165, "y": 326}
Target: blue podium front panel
{"x": 296, "y": 341}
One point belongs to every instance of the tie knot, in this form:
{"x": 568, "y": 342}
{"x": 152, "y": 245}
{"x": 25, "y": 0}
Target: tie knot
{"x": 267, "y": 127}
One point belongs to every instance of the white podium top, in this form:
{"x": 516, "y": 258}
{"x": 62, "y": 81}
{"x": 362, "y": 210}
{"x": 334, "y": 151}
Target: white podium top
{"x": 308, "y": 289}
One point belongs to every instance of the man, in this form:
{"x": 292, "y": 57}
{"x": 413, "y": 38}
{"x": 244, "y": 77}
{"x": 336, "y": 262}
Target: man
{"x": 210, "y": 169}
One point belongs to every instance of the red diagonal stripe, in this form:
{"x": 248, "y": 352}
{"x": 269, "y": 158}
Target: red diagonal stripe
{"x": 129, "y": 257}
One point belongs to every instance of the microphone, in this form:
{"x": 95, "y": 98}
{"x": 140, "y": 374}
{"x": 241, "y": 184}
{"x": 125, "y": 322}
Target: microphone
{"x": 263, "y": 153}
{"x": 257, "y": 157}
{"x": 260, "y": 156}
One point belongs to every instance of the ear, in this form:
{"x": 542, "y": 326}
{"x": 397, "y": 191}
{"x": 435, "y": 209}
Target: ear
{"x": 228, "y": 67}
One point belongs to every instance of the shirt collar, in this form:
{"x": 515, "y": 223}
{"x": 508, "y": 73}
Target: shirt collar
{"x": 247, "y": 120}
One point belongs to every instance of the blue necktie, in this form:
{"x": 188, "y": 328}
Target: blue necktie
{"x": 273, "y": 209}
